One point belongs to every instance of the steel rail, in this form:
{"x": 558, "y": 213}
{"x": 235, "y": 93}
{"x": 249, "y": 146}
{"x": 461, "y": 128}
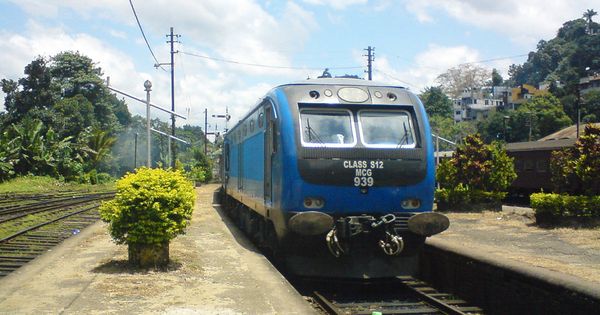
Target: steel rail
{"x": 38, "y": 208}
{"x": 46, "y": 223}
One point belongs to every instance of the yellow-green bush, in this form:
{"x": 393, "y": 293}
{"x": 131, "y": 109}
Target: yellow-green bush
{"x": 151, "y": 206}
{"x": 562, "y": 205}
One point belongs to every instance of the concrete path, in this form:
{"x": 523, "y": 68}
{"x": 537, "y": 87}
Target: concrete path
{"x": 213, "y": 271}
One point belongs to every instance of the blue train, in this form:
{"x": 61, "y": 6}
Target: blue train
{"x": 335, "y": 177}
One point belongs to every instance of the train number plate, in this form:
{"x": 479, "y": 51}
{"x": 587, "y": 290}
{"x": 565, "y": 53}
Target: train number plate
{"x": 363, "y": 171}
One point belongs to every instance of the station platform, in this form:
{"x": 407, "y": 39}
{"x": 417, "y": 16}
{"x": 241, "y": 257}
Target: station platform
{"x": 511, "y": 235}
{"x": 213, "y": 270}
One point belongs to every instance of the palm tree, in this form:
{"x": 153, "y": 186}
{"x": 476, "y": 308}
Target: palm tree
{"x": 98, "y": 147}
{"x": 588, "y": 16}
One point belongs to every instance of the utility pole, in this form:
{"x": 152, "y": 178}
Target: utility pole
{"x": 205, "y": 131}
{"x": 226, "y": 116}
{"x": 172, "y": 39}
{"x": 370, "y": 58}
{"x": 172, "y": 144}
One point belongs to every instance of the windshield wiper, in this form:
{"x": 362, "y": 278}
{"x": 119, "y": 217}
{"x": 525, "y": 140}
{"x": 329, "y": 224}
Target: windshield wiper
{"x": 311, "y": 133}
{"x": 404, "y": 139}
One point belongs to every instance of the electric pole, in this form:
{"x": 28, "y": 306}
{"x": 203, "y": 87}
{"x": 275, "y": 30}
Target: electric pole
{"x": 172, "y": 39}
{"x": 370, "y": 58}
{"x": 205, "y": 131}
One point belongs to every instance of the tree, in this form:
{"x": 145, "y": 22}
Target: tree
{"x": 588, "y": 16}
{"x": 542, "y": 114}
{"x": 591, "y": 106}
{"x": 497, "y": 127}
{"x": 34, "y": 91}
{"x": 577, "y": 169}
{"x": 61, "y": 97}
{"x": 476, "y": 173}
{"x": 436, "y": 102}
{"x": 496, "y": 78}
{"x": 98, "y": 147}
{"x": 465, "y": 76}
{"x": 447, "y": 128}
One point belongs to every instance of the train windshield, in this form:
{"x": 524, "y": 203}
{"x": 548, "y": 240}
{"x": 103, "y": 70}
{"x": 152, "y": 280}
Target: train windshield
{"x": 386, "y": 129}
{"x": 327, "y": 128}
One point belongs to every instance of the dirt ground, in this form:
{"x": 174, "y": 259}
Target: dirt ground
{"x": 572, "y": 249}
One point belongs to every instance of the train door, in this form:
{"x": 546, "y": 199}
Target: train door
{"x": 269, "y": 151}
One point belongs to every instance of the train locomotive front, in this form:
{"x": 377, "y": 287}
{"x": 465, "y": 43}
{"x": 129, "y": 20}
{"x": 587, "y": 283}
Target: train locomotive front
{"x": 336, "y": 176}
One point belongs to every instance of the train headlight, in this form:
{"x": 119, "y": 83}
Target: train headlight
{"x": 314, "y": 202}
{"x": 411, "y": 203}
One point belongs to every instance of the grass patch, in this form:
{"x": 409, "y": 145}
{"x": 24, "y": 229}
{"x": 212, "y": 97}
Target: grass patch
{"x": 45, "y": 184}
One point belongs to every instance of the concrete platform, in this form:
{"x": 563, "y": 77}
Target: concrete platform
{"x": 213, "y": 271}
{"x": 506, "y": 264}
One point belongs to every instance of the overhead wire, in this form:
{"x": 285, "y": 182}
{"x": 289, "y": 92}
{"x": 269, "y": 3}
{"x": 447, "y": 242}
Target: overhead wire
{"x": 144, "y": 35}
{"x": 185, "y": 96}
{"x": 264, "y": 65}
{"x": 394, "y": 78}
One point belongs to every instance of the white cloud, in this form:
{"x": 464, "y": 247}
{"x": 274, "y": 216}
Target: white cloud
{"x": 425, "y": 67}
{"x": 524, "y": 22}
{"x": 117, "y": 34}
{"x": 429, "y": 64}
{"x": 237, "y": 30}
{"x": 336, "y": 4}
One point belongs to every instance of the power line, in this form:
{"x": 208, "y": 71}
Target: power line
{"x": 494, "y": 59}
{"x": 263, "y": 65}
{"x": 463, "y": 63}
{"x": 144, "y": 35}
{"x": 392, "y": 77}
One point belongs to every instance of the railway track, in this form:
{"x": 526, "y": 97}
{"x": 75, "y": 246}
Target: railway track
{"x": 398, "y": 296}
{"x": 28, "y": 230}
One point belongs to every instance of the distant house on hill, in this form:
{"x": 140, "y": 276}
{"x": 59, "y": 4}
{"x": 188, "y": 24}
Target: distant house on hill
{"x": 589, "y": 83}
{"x": 523, "y": 93}
{"x": 476, "y": 104}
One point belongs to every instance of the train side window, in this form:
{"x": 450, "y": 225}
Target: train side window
{"x": 541, "y": 166}
{"x": 261, "y": 120}
{"x": 518, "y": 165}
{"x": 251, "y": 125}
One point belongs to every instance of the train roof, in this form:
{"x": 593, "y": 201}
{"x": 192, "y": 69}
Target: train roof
{"x": 567, "y": 133}
{"x": 343, "y": 81}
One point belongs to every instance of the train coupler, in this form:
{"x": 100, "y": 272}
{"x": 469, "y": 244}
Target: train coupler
{"x": 345, "y": 228}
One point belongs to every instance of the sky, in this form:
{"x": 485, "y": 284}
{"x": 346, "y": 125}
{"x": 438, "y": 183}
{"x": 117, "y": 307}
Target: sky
{"x": 232, "y": 52}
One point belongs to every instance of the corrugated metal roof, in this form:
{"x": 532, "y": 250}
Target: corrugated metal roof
{"x": 540, "y": 145}
{"x": 567, "y": 133}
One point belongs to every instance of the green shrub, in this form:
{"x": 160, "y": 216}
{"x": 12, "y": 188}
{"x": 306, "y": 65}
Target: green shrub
{"x": 198, "y": 174}
{"x": 476, "y": 173}
{"x": 103, "y": 178}
{"x": 462, "y": 198}
{"x": 151, "y": 206}
{"x": 562, "y": 205}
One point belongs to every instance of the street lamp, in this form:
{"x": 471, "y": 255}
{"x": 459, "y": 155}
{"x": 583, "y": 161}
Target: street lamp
{"x": 148, "y": 88}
